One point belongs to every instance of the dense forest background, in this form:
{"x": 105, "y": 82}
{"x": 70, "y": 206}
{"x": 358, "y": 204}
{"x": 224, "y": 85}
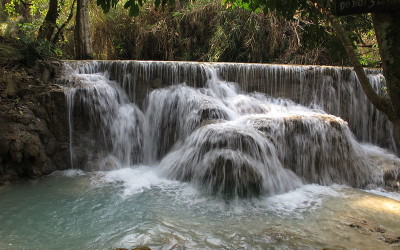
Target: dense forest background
{"x": 203, "y": 30}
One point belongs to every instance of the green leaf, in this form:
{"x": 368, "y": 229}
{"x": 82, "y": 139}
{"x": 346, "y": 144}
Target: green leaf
{"x": 157, "y": 3}
{"x": 134, "y": 10}
{"x": 128, "y": 4}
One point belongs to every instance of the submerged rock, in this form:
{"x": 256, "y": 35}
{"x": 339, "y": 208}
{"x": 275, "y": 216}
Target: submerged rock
{"x": 364, "y": 225}
{"x": 384, "y": 235}
{"x": 391, "y": 239}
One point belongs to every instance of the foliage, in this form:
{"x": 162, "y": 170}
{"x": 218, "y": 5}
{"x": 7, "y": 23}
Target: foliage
{"x": 203, "y": 30}
{"x": 369, "y": 51}
{"x": 33, "y": 50}
{"x": 358, "y": 27}
{"x": 24, "y": 19}
{"x": 26, "y": 51}
{"x": 132, "y": 5}
{"x": 37, "y": 7}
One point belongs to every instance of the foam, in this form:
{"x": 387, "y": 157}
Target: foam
{"x": 305, "y": 199}
{"x": 382, "y": 157}
{"x": 70, "y": 173}
{"x": 134, "y": 180}
{"x": 381, "y": 192}
{"x": 293, "y": 204}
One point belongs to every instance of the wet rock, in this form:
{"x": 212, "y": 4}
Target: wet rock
{"x": 226, "y": 175}
{"x": 175, "y": 112}
{"x": 230, "y": 160}
{"x": 391, "y": 177}
{"x": 48, "y": 71}
{"x": 208, "y": 122}
{"x": 209, "y": 112}
{"x": 319, "y": 148}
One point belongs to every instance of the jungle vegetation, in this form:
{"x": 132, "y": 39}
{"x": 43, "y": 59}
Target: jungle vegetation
{"x": 203, "y": 30}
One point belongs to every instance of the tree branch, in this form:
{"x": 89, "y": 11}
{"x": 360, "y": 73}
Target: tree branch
{"x": 62, "y": 27}
{"x": 381, "y": 103}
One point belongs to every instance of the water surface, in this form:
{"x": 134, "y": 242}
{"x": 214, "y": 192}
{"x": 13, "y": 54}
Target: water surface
{"x": 135, "y": 206}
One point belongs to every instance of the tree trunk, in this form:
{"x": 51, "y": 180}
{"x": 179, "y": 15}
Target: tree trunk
{"x": 387, "y": 29}
{"x": 83, "y": 48}
{"x": 381, "y": 103}
{"x": 46, "y": 31}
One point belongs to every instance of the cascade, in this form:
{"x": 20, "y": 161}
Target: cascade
{"x": 113, "y": 124}
{"x": 228, "y": 128}
{"x": 332, "y": 89}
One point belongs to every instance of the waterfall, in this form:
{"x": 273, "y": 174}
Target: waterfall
{"x": 113, "y": 125}
{"x": 228, "y": 128}
{"x": 70, "y": 94}
{"x": 333, "y": 89}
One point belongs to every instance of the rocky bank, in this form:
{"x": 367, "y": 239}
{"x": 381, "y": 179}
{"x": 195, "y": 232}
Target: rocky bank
{"x": 33, "y": 121}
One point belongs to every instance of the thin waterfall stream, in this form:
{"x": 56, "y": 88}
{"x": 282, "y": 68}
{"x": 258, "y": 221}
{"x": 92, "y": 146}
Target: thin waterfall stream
{"x": 213, "y": 155}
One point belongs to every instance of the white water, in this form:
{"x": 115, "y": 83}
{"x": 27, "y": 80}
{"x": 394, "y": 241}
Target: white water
{"x": 332, "y": 89}
{"x": 216, "y": 137}
{"x": 115, "y": 124}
